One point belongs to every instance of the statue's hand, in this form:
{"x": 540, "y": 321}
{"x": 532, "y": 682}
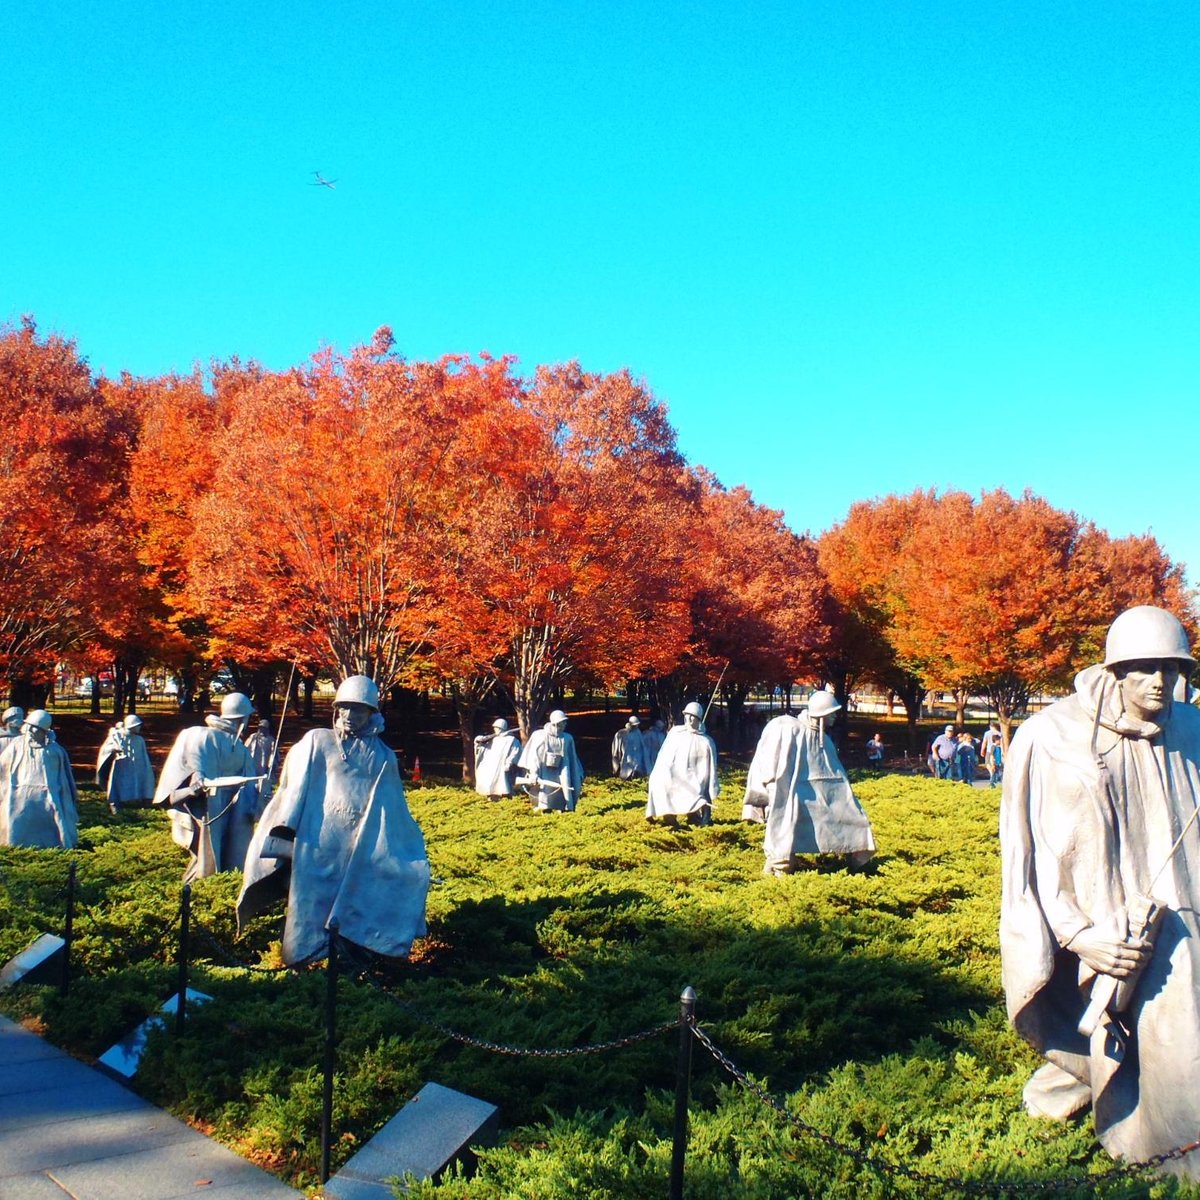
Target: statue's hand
{"x": 1108, "y": 956}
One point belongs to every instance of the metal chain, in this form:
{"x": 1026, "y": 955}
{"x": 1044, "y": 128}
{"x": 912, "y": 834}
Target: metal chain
{"x": 882, "y": 1166}
{"x": 499, "y": 1047}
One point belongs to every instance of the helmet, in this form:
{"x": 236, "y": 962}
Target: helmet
{"x": 693, "y": 710}
{"x": 39, "y": 719}
{"x": 822, "y": 704}
{"x": 500, "y": 724}
{"x": 633, "y": 721}
{"x": 558, "y": 717}
{"x": 236, "y": 704}
{"x": 16, "y": 713}
{"x": 133, "y": 721}
{"x": 1146, "y": 632}
{"x": 358, "y": 689}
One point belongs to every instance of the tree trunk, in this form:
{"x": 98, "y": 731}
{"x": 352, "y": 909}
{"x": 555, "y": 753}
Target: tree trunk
{"x": 960, "y": 707}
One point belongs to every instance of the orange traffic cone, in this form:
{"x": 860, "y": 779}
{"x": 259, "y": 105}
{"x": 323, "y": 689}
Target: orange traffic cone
{"x": 415, "y": 777}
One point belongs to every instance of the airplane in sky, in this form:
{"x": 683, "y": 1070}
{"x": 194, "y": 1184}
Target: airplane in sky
{"x": 321, "y": 181}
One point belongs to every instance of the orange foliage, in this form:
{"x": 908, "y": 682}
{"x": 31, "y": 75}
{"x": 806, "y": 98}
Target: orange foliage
{"x": 761, "y": 602}
{"x": 61, "y": 465}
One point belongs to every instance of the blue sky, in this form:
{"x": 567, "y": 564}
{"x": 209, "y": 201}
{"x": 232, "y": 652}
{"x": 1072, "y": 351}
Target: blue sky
{"x": 856, "y": 247}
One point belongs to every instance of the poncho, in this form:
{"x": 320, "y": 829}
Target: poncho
{"x": 495, "y": 758}
{"x": 684, "y": 777}
{"x": 552, "y": 773}
{"x": 1079, "y": 845}
{"x": 357, "y": 854}
{"x": 38, "y": 802}
{"x": 123, "y": 768}
{"x": 214, "y": 829}
{"x": 799, "y": 784}
{"x": 629, "y": 754}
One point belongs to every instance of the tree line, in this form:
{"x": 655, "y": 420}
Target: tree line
{"x": 455, "y": 524}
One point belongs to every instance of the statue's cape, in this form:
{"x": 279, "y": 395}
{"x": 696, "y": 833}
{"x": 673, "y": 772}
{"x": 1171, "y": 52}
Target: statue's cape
{"x": 494, "y": 761}
{"x": 358, "y": 855}
{"x": 1092, "y": 805}
{"x": 123, "y": 767}
{"x": 684, "y": 776}
{"x": 38, "y": 802}
{"x": 217, "y": 829}
{"x": 810, "y": 808}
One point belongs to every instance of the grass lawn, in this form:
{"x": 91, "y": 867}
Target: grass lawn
{"x": 868, "y": 1003}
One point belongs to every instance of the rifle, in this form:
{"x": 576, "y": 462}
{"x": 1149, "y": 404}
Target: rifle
{"x": 715, "y": 691}
{"x": 279, "y": 731}
{"x": 1144, "y": 917}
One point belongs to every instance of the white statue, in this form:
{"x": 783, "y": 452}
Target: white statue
{"x": 38, "y": 802}
{"x": 209, "y": 782}
{"x": 653, "y": 739}
{"x": 338, "y": 840}
{"x": 123, "y": 765}
{"x": 495, "y": 756}
{"x": 798, "y": 788}
{"x": 1099, "y": 932}
{"x": 683, "y": 780}
{"x": 552, "y": 775}
{"x": 11, "y": 722}
{"x": 262, "y": 749}
{"x": 629, "y": 752}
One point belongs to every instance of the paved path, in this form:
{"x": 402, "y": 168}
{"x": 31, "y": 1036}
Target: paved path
{"x": 68, "y": 1132}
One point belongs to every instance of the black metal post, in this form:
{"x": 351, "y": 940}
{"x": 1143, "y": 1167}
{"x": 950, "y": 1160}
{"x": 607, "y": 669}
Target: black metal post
{"x": 64, "y": 983}
{"x": 330, "y": 1050}
{"x": 185, "y": 913}
{"x": 683, "y": 1080}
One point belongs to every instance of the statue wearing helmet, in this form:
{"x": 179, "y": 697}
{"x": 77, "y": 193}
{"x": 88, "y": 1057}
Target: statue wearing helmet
{"x": 683, "y": 779}
{"x": 552, "y": 775}
{"x": 496, "y": 755}
{"x": 338, "y": 838}
{"x": 798, "y": 788}
{"x": 210, "y": 785}
{"x": 629, "y": 751}
{"x": 39, "y": 805}
{"x": 123, "y": 766}
{"x": 1099, "y": 935}
{"x": 11, "y": 721}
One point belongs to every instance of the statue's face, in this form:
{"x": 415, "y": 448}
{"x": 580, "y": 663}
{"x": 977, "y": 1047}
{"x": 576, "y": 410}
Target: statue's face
{"x": 352, "y": 719}
{"x": 38, "y": 735}
{"x": 691, "y": 721}
{"x": 559, "y": 727}
{"x": 1147, "y": 686}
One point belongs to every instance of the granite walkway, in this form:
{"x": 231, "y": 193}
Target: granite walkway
{"x": 68, "y": 1132}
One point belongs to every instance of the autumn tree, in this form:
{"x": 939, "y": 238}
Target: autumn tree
{"x": 992, "y": 600}
{"x": 761, "y": 607}
{"x": 60, "y": 468}
{"x": 582, "y": 559}
{"x": 862, "y": 558}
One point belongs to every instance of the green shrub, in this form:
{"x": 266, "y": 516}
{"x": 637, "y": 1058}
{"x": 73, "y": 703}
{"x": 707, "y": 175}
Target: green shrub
{"x": 868, "y": 1003}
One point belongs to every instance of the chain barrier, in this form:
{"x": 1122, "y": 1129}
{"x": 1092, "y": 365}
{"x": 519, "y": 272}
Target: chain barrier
{"x": 467, "y": 1039}
{"x": 1129, "y": 1171}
